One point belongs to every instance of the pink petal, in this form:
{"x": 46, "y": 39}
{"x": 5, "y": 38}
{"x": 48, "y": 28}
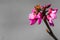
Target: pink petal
{"x": 33, "y": 10}
{"x": 51, "y": 24}
{"x": 50, "y": 20}
{"x": 32, "y": 16}
{"x": 53, "y": 13}
{"x": 53, "y": 16}
{"x": 49, "y": 11}
{"x": 39, "y": 21}
{"x": 48, "y": 17}
{"x": 32, "y": 21}
{"x": 39, "y": 15}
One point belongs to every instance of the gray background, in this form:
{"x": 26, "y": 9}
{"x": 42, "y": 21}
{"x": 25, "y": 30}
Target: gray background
{"x": 14, "y": 23}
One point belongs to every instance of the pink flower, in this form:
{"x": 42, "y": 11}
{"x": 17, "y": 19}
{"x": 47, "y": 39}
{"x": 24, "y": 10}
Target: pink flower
{"x": 51, "y": 15}
{"x": 34, "y": 17}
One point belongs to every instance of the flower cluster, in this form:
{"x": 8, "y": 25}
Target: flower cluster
{"x": 37, "y": 14}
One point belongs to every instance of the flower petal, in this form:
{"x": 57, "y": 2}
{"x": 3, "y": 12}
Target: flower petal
{"x": 51, "y": 24}
{"x": 32, "y": 16}
{"x": 53, "y": 16}
{"x": 39, "y": 15}
{"x": 32, "y": 21}
{"x": 39, "y": 21}
{"x": 33, "y": 10}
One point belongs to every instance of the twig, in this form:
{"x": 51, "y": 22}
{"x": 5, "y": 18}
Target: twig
{"x": 50, "y": 31}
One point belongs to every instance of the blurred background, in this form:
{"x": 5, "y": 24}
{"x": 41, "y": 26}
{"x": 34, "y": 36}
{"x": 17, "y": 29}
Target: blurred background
{"x": 14, "y": 23}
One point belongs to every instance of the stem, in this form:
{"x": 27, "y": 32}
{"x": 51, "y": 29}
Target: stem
{"x": 50, "y": 31}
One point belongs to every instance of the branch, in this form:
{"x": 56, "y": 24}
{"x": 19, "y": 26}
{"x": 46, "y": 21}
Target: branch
{"x": 49, "y": 30}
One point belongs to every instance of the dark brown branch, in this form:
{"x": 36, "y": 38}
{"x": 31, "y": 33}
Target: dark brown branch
{"x": 50, "y": 31}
